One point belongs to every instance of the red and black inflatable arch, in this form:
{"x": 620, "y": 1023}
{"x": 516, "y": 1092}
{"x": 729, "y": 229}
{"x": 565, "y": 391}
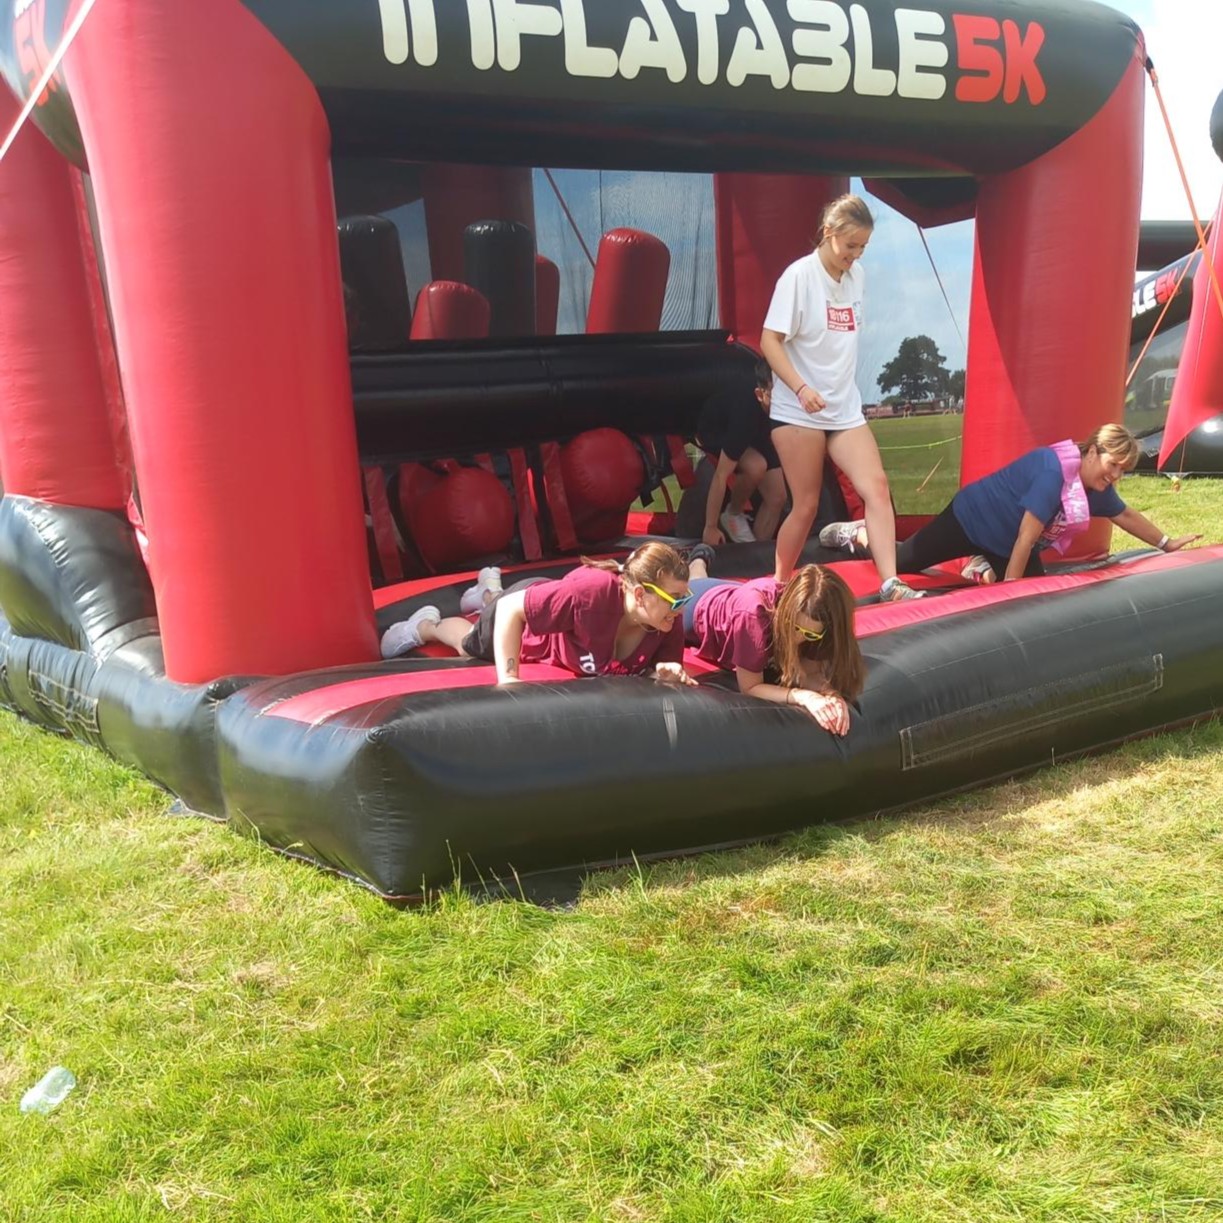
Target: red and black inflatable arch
{"x": 208, "y": 127}
{"x": 174, "y": 324}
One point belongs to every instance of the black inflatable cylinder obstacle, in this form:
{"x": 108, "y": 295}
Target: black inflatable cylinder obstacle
{"x": 1216, "y": 127}
{"x": 499, "y": 260}
{"x": 446, "y": 400}
{"x": 375, "y": 287}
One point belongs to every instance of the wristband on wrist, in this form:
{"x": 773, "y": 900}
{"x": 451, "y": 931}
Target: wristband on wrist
{"x": 799, "y": 391}
{"x": 789, "y": 696}
{"x": 1163, "y": 544}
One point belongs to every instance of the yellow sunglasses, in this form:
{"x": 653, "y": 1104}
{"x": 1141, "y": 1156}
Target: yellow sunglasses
{"x": 810, "y": 634}
{"x": 674, "y": 602}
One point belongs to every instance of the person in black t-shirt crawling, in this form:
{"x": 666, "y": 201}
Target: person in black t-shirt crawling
{"x": 734, "y": 426}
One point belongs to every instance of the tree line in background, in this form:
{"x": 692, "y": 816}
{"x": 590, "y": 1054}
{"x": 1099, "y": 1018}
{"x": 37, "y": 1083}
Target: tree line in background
{"x": 918, "y": 373}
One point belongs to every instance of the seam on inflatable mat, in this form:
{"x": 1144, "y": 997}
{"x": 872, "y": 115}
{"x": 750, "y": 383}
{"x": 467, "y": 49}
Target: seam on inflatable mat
{"x": 911, "y": 758}
{"x": 79, "y": 710}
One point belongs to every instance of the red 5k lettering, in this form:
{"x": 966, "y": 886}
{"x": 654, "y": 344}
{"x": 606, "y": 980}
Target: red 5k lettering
{"x": 990, "y": 69}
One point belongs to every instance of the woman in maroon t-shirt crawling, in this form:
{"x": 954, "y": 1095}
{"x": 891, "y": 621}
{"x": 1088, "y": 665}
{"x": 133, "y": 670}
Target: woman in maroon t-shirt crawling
{"x": 800, "y": 633}
{"x": 603, "y": 618}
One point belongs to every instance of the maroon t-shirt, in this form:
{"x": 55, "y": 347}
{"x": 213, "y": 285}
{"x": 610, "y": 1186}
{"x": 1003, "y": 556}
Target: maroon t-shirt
{"x": 572, "y": 623}
{"x": 734, "y": 624}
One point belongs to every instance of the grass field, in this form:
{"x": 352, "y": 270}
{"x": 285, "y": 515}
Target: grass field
{"x": 1002, "y": 1007}
{"x": 921, "y": 455}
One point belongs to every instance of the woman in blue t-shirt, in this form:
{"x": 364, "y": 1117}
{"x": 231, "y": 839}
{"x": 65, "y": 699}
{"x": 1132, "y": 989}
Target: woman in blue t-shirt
{"x": 1041, "y": 500}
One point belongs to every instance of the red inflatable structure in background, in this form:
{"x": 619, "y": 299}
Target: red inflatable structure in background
{"x": 1197, "y": 394}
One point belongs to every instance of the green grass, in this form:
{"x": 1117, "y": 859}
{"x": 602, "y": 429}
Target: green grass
{"x": 1001, "y": 1007}
{"x": 921, "y": 455}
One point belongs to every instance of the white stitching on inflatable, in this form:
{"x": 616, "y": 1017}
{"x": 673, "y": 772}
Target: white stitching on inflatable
{"x": 961, "y": 744}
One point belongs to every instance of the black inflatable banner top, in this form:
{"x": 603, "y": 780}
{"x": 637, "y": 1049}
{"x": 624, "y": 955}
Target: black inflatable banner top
{"x": 785, "y": 86}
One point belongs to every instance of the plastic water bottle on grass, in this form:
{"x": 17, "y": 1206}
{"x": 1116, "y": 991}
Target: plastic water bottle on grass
{"x": 49, "y": 1092}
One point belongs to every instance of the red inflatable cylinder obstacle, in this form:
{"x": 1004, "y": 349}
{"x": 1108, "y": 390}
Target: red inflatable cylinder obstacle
{"x": 448, "y": 310}
{"x": 1042, "y": 364}
{"x": 55, "y": 433}
{"x": 228, "y": 316}
{"x": 630, "y": 283}
{"x": 547, "y": 295}
{"x": 764, "y": 223}
{"x": 456, "y": 518}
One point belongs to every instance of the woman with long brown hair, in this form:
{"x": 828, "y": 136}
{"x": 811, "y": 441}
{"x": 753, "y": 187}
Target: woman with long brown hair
{"x": 603, "y": 618}
{"x": 791, "y": 643}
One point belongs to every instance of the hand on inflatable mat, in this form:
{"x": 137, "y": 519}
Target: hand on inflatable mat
{"x": 829, "y": 710}
{"x": 1183, "y": 541}
{"x": 673, "y": 673}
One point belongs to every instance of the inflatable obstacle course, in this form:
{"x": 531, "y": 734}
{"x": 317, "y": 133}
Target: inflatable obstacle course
{"x": 223, "y": 420}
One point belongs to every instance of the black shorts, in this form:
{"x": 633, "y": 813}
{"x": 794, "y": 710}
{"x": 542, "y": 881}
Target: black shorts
{"x": 731, "y": 423}
{"x": 479, "y": 642}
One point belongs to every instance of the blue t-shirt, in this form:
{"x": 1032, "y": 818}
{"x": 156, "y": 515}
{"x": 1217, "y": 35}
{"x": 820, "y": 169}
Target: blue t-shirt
{"x": 991, "y": 509}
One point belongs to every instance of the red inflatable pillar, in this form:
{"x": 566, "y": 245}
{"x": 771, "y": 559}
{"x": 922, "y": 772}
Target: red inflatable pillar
{"x": 630, "y": 283}
{"x": 55, "y": 434}
{"x": 448, "y": 310}
{"x": 547, "y": 295}
{"x": 217, "y": 221}
{"x": 1046, "y": 361}
{"x": 764, "y": 223}
{"x": 457, "y": 196}
{"x": 1197, "y": 394}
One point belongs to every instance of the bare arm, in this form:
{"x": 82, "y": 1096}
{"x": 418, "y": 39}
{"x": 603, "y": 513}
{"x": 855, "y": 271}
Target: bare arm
{"x": 773, "y": 346}
{"x": 1029, "y": 532}
{"x": 1141, "y": 527}
{"x": 510, "y": 622}
{"x": 827, "y": 708}
{"x": 713, "y": 505}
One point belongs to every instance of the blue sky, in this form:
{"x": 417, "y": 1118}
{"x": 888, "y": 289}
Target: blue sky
{"x": 1185, "y": 41}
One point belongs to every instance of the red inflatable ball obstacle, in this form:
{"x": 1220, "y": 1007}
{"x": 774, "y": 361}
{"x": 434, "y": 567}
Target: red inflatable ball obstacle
{"x": 456, "y": 517}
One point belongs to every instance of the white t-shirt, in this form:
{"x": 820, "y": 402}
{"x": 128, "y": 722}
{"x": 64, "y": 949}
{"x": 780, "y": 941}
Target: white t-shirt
{"x": 820, "y": 319}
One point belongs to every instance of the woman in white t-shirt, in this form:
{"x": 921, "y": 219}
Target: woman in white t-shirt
{"x": 811, "y": 341}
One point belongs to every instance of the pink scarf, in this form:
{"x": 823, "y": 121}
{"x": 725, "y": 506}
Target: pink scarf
{"x": 1075, "y": 515}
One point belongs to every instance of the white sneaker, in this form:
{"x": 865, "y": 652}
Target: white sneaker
{"x": 405, "y": 636}
{"x": 896, "y": 591}
{"x": 842, "y": 535}
{"x": 738, "y": 529}
{"x": 487, "y": 588}
{"x": 979, "y": 570}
